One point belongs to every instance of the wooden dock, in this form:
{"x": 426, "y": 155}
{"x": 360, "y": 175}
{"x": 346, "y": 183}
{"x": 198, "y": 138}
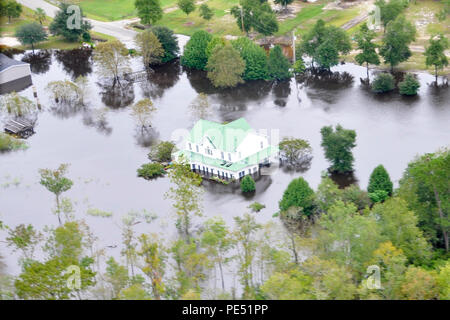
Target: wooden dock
{"x": 19, "y": 127}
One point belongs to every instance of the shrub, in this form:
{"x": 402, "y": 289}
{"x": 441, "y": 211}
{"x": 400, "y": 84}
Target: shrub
{"x": 194, "y": 55}
{"x": 378, "y": 196}
{"x": 225, "y": 67}
{"x": 380, "y": 180}
{"x": 409, "y": 86}
{"x": 151, "y": 170}
{"x": 298, "y": 194}
{"x": 299, "y": 66}
{"x": 278, "y": 64}
{"x": 162, "y": 152}
{"x": 8, "y": 143}
{"x": 168, "y": 41}
{"x": 256, "y": 206}
{"x": 248, "y": 184}
{"x": 255, "y": 59}
{"x": 384, "y": 82}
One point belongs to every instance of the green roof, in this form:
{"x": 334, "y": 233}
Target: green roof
{"x": 226, "y": 137}
{"x": 236, "y": 166}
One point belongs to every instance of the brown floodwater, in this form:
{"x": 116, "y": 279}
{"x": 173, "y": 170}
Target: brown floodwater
{"x": 104, "y": 146}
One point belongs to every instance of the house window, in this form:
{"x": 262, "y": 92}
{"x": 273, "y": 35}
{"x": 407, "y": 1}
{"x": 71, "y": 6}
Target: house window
{"x": 190, "y": 146}
{"x": 193, "y": 167}
{"x": 221, "y": 154}
{"x": 229, "y": 156}
{"x": 196, "y": 148}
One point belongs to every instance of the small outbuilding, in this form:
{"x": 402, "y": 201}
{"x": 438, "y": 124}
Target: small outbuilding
{"x": 14, "y": 75}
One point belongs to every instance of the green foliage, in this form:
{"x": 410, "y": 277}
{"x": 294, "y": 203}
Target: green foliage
{"x": 338, "y": 144}
{"x": 215, "y": 42}
{"x": 17, "y": 106}
{"x": 151, "y": 170}
{"x": 298, "y": 194}
{"x": 419, "y": 284}
{"x": 187, "y": 6}
{"x": 443, "y": 280}
{"x": 383, "y": 82}
{"x": 134, "y": 292}
{"x": 278, "y": 65}
{"x": 149, "y": 47}
{"x": 255, "y": 59}
{"x": 256, "y": 206}
{"x": 112, "y": 59}
{"x": 409, "y": 86}
{"x": 389, "y": 11}
{"x": 435, "y": 53}
{"x": 380, "y": 180}
{"x": 162, "y": 152}
{"x": 294, "y": 285}
{"x": 194, "y": 55}
{"x": 31, "y": 33}
{"x": 284, "y": 3}
{"x": 248, "y": 184}
{"x": 206, "y": 12}
{"x": 99, "y": 213}
{"x": 368, "y": 54}
{"x": 24, "y": 238}
{"x": 149, "y": 11}
{"x": 40, "y": 15}
{"x": 299, "y": 66}
{"x": 378, "y": 196}
{"x": 395, "y": 43}
{"x": 295, "y": 151}
{"x": 168, "y": 41}
{"x": 257, "y": 15}
{"x": 225, "y": 67}
{"x": 10, "y": 9}
{"x": 60, "y": 25}
{"x": 8, "y": 143}
{"x": 324, "y": 44}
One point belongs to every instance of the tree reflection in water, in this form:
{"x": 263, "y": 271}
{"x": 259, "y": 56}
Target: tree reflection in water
{"x": 281, "y": 91}
{"x": 117, "y": 96}
{"x": 39, "y": 61}
{"x": 76, "y": 62}
{"x": 97, "y": 119}
{"x": 343, "y": 180}
{"x": 161, "y": 78}
{"x": 145, "y": 137}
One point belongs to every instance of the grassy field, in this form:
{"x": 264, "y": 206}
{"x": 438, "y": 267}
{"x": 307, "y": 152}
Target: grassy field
{"x": 27, "y": 16}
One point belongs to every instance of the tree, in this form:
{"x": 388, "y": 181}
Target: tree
{"x": 255, "y": 59}
{"x": 383, "y": 82}
{"x": 380, "y": 180}
{"x": 112, "y": 59}
{"x": 298, "y": 194}
{"x": 214, "y": 43}
{"x": 368, "y": 52}
{"x": 56, "y": 182}
{"x": 425, "y": 187}
{"x": 293, "y": 285}
{"x": 443, "y": 280}
{"x": 389, "y": 11}
{"x": 150, "y": 170}
{"x": 419, "y": 284}
{"x": 409, "y": 86}
{"x": 187, "y": 6}
{"x": 186, "y": 194}
{"x": 17, "y": 106}
{"x": 11, "y": 9}
{"x": 143, "y": 111}
{"x": 284, "y": 3}
{"x": 248, "y": 184}
{"x": 149, "y": 47}
{"x": 217, "y": 242}
{"x": 324, "y": 44}
{"x": 395, "y": 43}
{"x": 117, "y": 276}
{"x": 24, "y": 238}
{"x": 435, "y": 53}
{"x": 399, "y": 225}
{"x": 206, "y": 12}
{"x": 296, "y": 152}
{"x": 337, "y": 144}
{"x": 278, "y": 65}
{"x": 168, "y": 41}
{"x": 162, "y": 152}
{"x": 194, "y": 55}
{"x": 149, "y": 11}
{"x": 134, "y": 292}
{"x": 40, "y": 15}
{"x": 61, "y": 24}
{"x": 257, "y": 15}
{"x": 225, "y": 67}
{"x": 31, "y": 33}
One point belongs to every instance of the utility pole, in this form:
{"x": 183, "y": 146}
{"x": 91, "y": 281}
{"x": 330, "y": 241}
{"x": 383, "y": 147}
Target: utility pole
{"x": 242, "y": 20}
{"x": 293, "y": 45}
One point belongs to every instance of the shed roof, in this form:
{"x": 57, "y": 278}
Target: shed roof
{"x": 6, "y": 62}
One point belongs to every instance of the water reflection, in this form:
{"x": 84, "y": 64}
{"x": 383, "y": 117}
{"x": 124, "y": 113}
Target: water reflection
{"x": 281, "y": 91}
{"x": 343, "y": 180}
{"x": 145, "y": 137}
{"x": 439, "y": 95}
{"x": 39, "y": 61}
{"x": 97, "y": 119}
{"x": 162, "y": 78}
{"x": 77, "y": 62}
{"x": 117, "y": 96}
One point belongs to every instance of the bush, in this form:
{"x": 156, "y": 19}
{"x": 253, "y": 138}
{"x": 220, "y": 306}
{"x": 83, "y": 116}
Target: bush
{"x": 225, "y": 67}
{"x": 409, "y": 86}
{"x": 380, "y": 180}
{"x": 248, "y": 184}
{"x": 151, "y": 170}
{"x": 255, "y": 59}
{"x": 378, "y": 196}
{"x": 194, "y": 55}
{"x": 8, "y": 143}
{"x": 278, "y": 64}
{"x": 256, "y": 206}
{"x": 168, "y": 41}
{"x": 298, "y": 194}
{"x": 384, "y": 82}
{"x": 299, "y": 66}
{"x": 162, "y": 152}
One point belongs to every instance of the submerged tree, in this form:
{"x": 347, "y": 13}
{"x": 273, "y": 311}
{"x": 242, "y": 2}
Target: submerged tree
{"x": 168, "y": 41}
{"x": 17, "y": 106}
{"x": 225, "y": 67}
{"x": 149, "y": 47}
{"x": 56, "y": 182}
{"x": 338, "y": 144}
{"x": 112, "y": 60}
{"x": 435, "y": 53}
{"x": 142, "y": 111}
{"x": 296, "y": 152}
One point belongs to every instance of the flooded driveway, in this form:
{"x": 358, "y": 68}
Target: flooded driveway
{"x": 104, "y": 147}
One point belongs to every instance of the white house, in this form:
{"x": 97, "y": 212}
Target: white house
{"x": 228, "y": 151}
{"x": 14, "y": 75}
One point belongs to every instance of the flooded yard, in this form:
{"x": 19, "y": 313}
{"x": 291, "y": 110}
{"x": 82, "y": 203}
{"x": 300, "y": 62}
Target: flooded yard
{"x": 104, "y": 146}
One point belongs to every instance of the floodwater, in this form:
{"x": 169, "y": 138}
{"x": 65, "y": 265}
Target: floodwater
{"x": 104, "y": 146}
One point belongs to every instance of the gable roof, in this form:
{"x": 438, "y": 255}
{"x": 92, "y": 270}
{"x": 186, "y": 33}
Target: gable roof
{"x": 6, "y": 62}
{"x": 226, "y": 137}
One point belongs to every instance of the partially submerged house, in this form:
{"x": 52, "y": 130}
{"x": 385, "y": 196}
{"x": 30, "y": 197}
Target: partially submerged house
{"x": 227, "y": 151}
{"x": 14, "y": 75}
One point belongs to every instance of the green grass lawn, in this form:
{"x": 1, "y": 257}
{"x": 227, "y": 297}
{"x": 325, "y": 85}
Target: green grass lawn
{"x": 27, "y": 16}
